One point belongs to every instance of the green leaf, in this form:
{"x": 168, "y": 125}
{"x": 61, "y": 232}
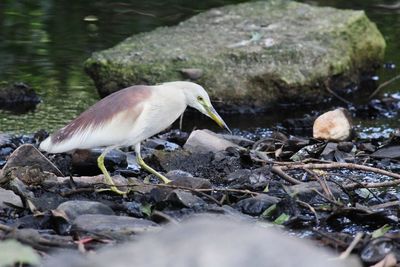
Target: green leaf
{"x": 282, "y": 219}
{"x": 381, "y": 231}
{"x": 12, "y": 252}
{"x": 268, "y": 212}
{"x": 146, "y": 209}
{"x": 266, "y": 189}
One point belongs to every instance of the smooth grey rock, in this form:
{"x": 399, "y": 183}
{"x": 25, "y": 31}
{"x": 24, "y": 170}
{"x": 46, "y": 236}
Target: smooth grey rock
{"x": 202, "y": 141}
{"x": 28, "y": 155}
{"x": 111, "y": 226}
{"x": 390, "y": 152}
{"x": 75, "y": 208}
{"x": 185, "y": 199}
{"x": 207, "y": 242}
{"x": 9, "y": 197}
{"x": 256, "y": 205}
{"x": 252, "y": 53}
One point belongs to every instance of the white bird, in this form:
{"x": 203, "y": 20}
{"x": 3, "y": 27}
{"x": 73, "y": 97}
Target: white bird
{"x": 128, "y": 117}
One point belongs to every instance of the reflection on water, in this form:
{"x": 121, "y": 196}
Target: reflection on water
{"x": 44, "y": 44}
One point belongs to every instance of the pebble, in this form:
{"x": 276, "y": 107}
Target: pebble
{"x": 335, "y": 125}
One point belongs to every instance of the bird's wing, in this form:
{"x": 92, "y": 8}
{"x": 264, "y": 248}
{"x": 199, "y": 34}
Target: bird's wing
{"x": 105, "y": 123}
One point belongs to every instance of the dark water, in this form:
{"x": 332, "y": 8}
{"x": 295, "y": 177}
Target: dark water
{"x": 44, "y": 44}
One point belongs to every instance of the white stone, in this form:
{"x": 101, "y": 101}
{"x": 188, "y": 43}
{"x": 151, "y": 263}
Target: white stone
{"x": 204, "y": 141}
{"x": 335, "y": 125}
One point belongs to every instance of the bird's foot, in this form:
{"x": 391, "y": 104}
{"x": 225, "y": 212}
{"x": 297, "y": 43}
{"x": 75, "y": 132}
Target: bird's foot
{"x": 113, "y": 189}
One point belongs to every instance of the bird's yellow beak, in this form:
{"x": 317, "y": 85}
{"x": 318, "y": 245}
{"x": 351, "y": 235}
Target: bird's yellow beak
{"x": 213, "y": 114}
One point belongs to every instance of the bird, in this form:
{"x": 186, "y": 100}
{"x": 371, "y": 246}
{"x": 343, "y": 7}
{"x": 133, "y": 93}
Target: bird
{"x": 129, "y": 116}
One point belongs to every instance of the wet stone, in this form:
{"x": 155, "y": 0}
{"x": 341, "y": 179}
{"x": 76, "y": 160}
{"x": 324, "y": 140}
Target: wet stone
{"x": 160, "y": 144}
{"x": 9, "y": 199}
{"x": 18, "y": 97}
{"x": 75, "y": 208}
{"x": 378, "y": 248}
{"x": 256, "y": 205}
{"x": 111, "y": 226}
{"x": 198, "y": 164}
{"x": 175, "y": 136}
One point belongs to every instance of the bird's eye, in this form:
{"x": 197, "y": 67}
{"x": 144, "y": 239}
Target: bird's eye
{"x": 200, "y": 98}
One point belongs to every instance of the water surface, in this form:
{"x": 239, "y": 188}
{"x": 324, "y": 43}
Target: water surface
{"x": 45, "y": 43}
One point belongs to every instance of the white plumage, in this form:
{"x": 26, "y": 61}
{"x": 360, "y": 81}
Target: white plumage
{"x": 130, "y": 116}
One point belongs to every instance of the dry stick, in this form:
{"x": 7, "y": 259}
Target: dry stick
{"x": 345, "y": 254}
{"x": 383, "y": 85}
{"x": 340, "y": 165}
{"x": 278, "y": 171}
{"x": 323, "y": 184}
{"x": 337, "y": 96}
{"x": 311, "y": 208}
{"x": 371, "y": 185}
{"x": 385, "y": 205}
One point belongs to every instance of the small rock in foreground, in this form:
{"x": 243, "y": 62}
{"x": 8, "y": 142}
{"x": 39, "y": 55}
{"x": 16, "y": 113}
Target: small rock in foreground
{"x": 335, "y": 125}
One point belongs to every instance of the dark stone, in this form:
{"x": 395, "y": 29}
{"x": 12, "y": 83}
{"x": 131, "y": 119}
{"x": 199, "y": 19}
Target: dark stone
{"x": 111, "y": 226}
{"x": 160, "y": 144}
{"x": 176, "y": 136}
{"x": 185, "y": 199}
{"x": 378, "y": 248}
{"x": 84, "y": 162}
{"x": 74, "y": 208}
{"x": 345, "y": 146}
{"x": 391, "y": 152}
{"x": 256, "y": 205}
{"x": 17, "y": 97}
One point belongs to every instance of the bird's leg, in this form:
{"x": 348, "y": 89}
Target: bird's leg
{"x": 147, "y": 167}
{"x": 110, "y": 182}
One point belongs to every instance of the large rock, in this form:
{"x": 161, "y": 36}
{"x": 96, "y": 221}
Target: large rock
{"x": 256, "y": 52}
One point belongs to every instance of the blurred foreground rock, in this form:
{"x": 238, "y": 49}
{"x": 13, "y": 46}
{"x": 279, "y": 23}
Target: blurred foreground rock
{"x": 257, "y": 52}
{"x": 209, "y": 241}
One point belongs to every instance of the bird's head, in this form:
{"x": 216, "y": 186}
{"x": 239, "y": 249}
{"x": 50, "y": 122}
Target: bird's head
{"x": 197, "y": 97}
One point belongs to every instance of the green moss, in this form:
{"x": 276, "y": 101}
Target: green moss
{"x": 307, "y": 47}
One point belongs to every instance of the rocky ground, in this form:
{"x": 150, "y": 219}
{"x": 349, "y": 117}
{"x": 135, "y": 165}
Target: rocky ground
{"x": 340, "y": 194}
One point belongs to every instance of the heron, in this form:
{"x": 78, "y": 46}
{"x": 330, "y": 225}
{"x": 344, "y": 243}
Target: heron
{"x": 129, "y": 116}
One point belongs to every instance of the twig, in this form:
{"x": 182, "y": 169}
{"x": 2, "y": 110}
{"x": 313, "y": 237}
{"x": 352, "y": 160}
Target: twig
{"x": 345, "y": 254}
{"x": 371, "y": 185}
{"x": 336, "y": 95}
{"x": 340, "y": 165}
{"x": 323, "y": 184}
{"x": 384, "y": 85}
{"x": 278, "y": 171}
{"x": 385, "y": 205}
{"x": 311, "y": 208}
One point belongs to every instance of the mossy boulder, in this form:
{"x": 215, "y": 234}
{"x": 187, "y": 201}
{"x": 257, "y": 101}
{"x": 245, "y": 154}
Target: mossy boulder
{"x": 251, "y": 54}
